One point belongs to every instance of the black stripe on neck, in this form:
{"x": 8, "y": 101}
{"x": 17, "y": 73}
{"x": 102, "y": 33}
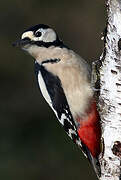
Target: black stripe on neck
{"x": 56, "y": 43}
{"x": 52, "y": 61}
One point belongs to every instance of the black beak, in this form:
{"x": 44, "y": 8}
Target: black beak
{"x": 22, "y": 42}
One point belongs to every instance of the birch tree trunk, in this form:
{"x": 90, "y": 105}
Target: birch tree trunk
{"x": 110, "y": 94}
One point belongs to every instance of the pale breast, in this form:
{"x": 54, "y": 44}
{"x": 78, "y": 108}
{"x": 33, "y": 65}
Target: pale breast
{"x": 74, "y": 75}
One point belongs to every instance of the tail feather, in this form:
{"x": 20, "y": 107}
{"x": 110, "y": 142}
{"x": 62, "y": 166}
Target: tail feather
{"x": 93, "y": 160}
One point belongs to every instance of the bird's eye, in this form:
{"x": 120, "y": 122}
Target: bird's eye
{"x": 38, "y": 34}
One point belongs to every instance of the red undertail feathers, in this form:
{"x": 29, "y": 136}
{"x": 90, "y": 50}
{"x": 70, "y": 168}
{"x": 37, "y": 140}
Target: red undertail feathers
{"x": 90, "y": 131}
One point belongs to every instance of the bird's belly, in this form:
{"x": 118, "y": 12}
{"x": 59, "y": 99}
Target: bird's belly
{"x": 78, "y": 100}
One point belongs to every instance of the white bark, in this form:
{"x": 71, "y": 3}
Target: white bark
{"x": 110, "y": 95}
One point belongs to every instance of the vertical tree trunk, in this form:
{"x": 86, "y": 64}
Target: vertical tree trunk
{"x": 110, "y": 94}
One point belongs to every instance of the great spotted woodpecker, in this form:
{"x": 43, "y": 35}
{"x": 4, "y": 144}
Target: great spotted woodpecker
{"x": 64, "y": 79}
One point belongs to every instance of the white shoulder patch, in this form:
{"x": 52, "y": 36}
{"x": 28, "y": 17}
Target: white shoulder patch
{"x": 44, "y": 91}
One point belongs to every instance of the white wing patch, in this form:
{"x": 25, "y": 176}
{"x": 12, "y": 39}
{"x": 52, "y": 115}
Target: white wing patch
{"x": 43, "y": 89}
{"x": 45, "y": 92}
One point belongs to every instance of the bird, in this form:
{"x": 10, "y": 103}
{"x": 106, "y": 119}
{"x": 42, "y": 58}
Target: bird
{"x": 64, "y": 80}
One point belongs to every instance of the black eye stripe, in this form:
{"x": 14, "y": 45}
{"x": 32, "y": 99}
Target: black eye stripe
{"x": 38, "y": 34}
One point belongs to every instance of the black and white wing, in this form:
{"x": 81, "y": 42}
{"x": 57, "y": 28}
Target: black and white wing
{"x": 53, "y": 93}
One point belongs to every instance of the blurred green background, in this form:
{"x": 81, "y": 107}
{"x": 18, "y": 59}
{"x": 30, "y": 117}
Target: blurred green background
{"x": 33, "y": 146}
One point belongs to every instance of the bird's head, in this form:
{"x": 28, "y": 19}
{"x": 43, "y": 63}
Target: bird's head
{"x": 38, "y": 36}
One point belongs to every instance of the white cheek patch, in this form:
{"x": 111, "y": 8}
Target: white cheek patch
{"x": 49, "y": 36}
